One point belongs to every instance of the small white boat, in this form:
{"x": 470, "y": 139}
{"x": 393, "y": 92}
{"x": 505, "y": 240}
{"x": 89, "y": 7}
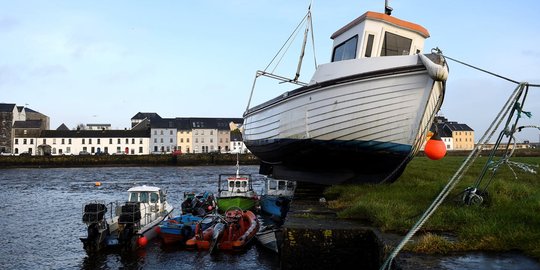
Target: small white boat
{"x": 129, "y": 225}
{"x": 362, "y": 117}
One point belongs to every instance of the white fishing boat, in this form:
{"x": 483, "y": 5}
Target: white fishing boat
{"x": 362, "y": 117}
{"x": 129, "y": 225}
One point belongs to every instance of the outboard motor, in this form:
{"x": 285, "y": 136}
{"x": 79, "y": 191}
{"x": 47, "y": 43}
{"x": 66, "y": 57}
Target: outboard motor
{"x": 94, "y": 218}
{"x": 130, "y": 215}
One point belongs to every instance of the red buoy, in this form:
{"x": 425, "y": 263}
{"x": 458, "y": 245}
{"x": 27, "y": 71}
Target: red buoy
{"x": 142, "y": 241}
{"x": 435, "y": 148}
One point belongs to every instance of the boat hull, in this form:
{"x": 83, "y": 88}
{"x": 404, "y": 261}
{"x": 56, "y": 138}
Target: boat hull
{"x": 276, "y": 206}
{"x": 178, "y": 229}
{"x": 347, "y": 125}
{"x": 244, "y": 203}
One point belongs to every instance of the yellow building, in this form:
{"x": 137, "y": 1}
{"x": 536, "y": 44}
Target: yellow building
{"x": 456, "y": 136}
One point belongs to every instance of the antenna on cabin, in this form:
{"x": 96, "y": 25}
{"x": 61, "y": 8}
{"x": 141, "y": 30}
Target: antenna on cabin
{"x": 387, "y": 8}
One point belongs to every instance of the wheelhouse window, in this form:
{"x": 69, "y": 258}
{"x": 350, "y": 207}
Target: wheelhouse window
{"x": 369, "y": 45}
{"x": 395, "y": 45}
{"x": 345, "y": 50}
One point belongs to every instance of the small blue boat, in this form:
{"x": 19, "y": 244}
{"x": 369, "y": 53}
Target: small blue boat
{"x": 178, "y": 229}
{"x": 182, "y": 227}
{"x": 276, "y": 197}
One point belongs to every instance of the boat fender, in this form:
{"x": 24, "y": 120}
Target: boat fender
{"x": 435, "y": 71}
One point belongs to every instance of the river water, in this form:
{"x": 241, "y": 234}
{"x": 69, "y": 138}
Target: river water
{"x": 42, "y": 218}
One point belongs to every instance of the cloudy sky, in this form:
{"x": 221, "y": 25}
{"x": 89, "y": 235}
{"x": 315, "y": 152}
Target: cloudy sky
{"x": 104, "y": 61}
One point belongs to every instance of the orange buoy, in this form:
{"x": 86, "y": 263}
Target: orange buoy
{"x": 435, "y": 148}
{"x": 98, "y": 184}
{"x": 142, "y": 241}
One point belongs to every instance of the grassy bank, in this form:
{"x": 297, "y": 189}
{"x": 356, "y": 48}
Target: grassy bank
{"x": 509, "y": 220}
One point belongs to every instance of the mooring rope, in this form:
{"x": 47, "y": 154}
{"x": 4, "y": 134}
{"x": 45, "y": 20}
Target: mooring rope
{"x": 509, "y": 107}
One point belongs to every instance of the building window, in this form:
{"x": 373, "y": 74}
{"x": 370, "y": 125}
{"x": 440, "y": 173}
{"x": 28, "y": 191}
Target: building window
{"x": 211, "y": 132}
{"x": 196, "y": 140}
{"x": 44, "y": 141}
{"x": 119, "y": 141}
{"x": 155, "y": 132}
{"x": 16, "y": 141}
{"x": 155, "y": 140}
{"x": 83, "y": 140}
{"x": 171, "y": 140}
{"x": 140, "y": 150}
{"x": 133, "y": 141}
{"x": 220, "y": 140}
{"x": 60, "y": 151}
{"x": 63, "y": 141}
{"x": 345, "y": 50}
{"x": 181, "y": 140}
{"x": 106, "y": 149}
{"x": 69, "y": 141}
{"x": 140, "y": 141}
{"x": 98, "y": 141}
{"x": 161, "y": 140}
{"x": 85, "y": 149}
{"x": 24, "y": 141}
{"x": 68, "y": 150}
{"x": 25, "y": 132}
{"x": 127, "y": 141}
{"x": 187, "y": 139}
{"x": 54, "y": 141}
{"x": 211, "y": 140}
{"x": 161, "y": 132}
{"x": 110, "y": 141}
{"x": 118, "y": 149}
{"x": 89, "y": 141}
{"x": 170, "y": 132}
{"x": 53, "y": 151}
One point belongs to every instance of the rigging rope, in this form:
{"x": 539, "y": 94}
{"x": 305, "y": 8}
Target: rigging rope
{"x": 456, "y": 177}
{"x": 510, "y": 107}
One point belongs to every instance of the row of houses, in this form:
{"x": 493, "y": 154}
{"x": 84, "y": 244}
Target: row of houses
{"x": 149, "y": 134}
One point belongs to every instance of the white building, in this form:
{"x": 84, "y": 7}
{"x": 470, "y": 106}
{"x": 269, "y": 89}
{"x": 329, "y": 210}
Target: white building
{"x": 163, "y": 135}
{"x": 67, "y": 142}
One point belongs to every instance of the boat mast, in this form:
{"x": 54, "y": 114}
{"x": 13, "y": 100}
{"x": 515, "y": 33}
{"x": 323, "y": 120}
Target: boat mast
{"x": 308, "y": 24}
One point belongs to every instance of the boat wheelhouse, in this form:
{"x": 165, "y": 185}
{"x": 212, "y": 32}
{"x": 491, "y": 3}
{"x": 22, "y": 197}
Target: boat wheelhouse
{"x": 362, "y": 117}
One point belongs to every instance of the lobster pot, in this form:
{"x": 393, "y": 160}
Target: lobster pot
{"x": 94, "y": 212}
{"x": 130, "y": 213}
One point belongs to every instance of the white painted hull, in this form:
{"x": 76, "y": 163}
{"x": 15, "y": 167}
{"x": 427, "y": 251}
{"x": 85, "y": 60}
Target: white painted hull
{"x": 383, "y": 114}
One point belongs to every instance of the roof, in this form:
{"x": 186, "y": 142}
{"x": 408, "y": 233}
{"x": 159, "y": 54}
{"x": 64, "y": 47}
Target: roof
{"x": 236, "y": 136}
{"x": 143, "y": 115}
{"x": 455, "y": 126}
{"x": 370, "y": 15}
{"x": 6, "y": 107}
{"x": 195, "y": 123}
{"x": 62, "y": 127}
{"x": 27, "y": 124}
{"x": 143, "y": 188}
{"x": 95, "y": 134}
{"x": 214, "y": 123}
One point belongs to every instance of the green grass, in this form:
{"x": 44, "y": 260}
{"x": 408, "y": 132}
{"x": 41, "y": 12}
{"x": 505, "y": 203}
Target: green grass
{"x": 508, "y": 220}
